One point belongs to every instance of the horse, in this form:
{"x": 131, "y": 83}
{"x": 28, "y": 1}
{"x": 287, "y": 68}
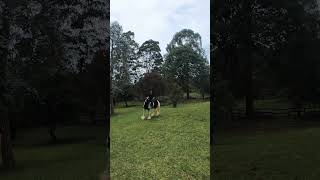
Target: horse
{"x": 151, "y": 104}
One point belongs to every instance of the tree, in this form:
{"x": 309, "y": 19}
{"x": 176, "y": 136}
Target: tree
{"x": 153, "y": 81}
{"x": 150, "y": 53}
{"x": 184, "y": 58}
{"x": 249, "y": 29}
{"x": 202, "y": 80}
{"x": 297, "y": 72}
{"x": 184, "y": 65}
{"x": 93, "y": 85}
{"x": 175, "y": 93}
{"x": 125, "y": 67}
{"x": 6, "y": 144}
{"x": 123, "y": 59}
{"x": 186, "y": 37}
{"x": 58, "y": 40}
{"x": 115, "y": 36}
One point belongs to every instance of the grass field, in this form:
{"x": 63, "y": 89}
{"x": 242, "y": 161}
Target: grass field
{"x": 271, "y": 150}
{"x": 80, "y": 155}
{"x": 172, "y": 146}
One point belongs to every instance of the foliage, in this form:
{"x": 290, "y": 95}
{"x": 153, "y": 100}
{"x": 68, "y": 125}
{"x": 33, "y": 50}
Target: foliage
{"x": 151, "y": 81}
{"x": 224, "y": 101}
{"x": 253, "y": 45}
{"x": 202, "y": 81}
{"x": 123, "y": 60}
{"x": 175, "y": 93}
{"x": 150, "y": 53}
{"x": 186, "y": 37}
{"x": 184, "y": 65}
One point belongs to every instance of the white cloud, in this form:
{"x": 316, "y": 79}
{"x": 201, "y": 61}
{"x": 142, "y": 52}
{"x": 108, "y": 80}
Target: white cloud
{"x": 161, "y": 19}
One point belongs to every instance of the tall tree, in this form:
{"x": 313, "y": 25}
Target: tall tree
{"x": 150, "y": 53}
{"x": 185, "y": 58}
{"x": 55, "y": 41}
{"x": 123, "y": 54}
{"x": 115, "y": 52}
{"x": 182, "y": 64}
{"x": 186, "y": 37}
{"x": 5, "y": 139}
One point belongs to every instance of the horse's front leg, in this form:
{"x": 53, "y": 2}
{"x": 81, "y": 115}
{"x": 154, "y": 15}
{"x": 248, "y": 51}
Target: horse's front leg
{"x": 149, "y": 114}
{"x": 143, "y": 117}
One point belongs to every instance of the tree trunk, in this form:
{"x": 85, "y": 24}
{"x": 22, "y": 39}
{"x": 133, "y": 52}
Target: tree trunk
{"x": 188, "y": 92}
{"x": 175, "y": 104}
{"x": 5, "y": 139}
{"x": 52, "y": 123}
{"x": 6, "y": 144}
{"x": 202, "y": 96}
{"x": 81, "y": 65}
{"x": 13, "y": 129}
{"x": 112, "y": 104}
{"x": 249, "y": 93}
{"x": 248, "y": 59}
{"x": 126, "y": 102}
{"x": 52, "y": 132}
{"x": 93, "y": 116}
{"x": 299, "y": 107}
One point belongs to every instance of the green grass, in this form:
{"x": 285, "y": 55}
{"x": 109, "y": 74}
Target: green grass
{"x": 172, "y": 146}
{"x": 79, "y": 155}
{"x": 266, "y": 153}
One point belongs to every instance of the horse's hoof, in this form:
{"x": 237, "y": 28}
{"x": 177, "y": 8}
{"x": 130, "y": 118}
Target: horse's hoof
{"x": 142, "y": 117}
{"x": 149, "y": 117}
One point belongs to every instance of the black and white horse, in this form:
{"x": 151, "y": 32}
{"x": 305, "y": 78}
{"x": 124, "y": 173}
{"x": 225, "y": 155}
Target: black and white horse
{"x": 151, "y": 104}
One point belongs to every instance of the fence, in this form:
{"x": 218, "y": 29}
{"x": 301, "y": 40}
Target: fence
{"x": 100, "y": 118}
{"x": 278, "y": 112}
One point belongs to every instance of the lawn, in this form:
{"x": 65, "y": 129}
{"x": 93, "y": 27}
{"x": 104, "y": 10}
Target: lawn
{"x": 270, "y": 150}
{"x": 172, "y": 146}
{"x": 80, "y": 155}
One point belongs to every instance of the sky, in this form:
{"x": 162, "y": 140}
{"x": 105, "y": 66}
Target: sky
{"x": 161, "y": 19}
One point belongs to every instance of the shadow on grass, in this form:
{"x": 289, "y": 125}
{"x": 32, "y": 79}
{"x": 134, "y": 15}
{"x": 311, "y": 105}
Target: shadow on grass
{"x": 70, "y": 140}
{"x": 59, "y": 141}
{"x": 266, "y": 126}
{"x": 17, "y": 168}
{"x": 152, "y": 119}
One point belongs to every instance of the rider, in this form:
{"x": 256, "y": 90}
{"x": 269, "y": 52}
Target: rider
{"x": 151, "y": 97}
